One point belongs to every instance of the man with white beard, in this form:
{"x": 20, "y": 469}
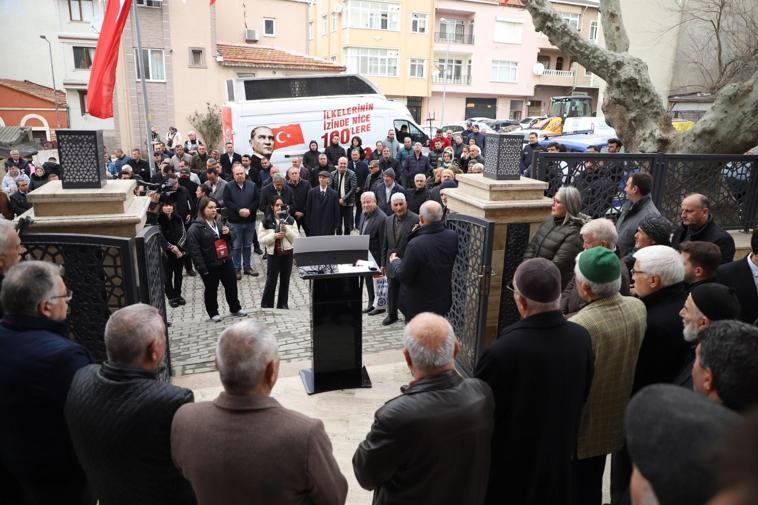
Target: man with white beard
{"x": 705, "y": 304}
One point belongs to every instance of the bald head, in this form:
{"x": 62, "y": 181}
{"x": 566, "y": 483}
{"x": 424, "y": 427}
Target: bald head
{"x": 695, "y": 210}
{"x": 430, "y": 343}
{"x": 430, "y": 212}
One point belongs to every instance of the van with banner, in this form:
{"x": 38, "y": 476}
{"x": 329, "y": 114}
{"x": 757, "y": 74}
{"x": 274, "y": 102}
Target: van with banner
{"x": 298, "y": 110}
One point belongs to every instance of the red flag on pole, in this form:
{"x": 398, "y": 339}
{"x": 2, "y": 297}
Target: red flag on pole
{"x": 102, "y": 78}
{"x": 287, "y": 135}
{"x": 213, "y": 2}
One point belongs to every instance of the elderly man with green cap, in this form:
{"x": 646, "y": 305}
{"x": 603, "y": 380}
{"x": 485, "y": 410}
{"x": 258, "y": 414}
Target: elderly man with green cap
{"x": 616, "y": 325}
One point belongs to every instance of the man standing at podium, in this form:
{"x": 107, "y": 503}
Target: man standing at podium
{"x": 322, "y": 208}
{"x": 425, "y": 286}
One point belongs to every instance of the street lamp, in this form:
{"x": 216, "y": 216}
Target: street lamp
{"x": 444, "y": 71}
{"x": 52, "y": 70}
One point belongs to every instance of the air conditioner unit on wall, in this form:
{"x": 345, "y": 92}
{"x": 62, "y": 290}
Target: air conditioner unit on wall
{"x": 251, "y": 36}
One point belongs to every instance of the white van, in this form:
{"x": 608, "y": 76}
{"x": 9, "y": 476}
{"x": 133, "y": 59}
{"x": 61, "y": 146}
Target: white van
{"x": 300, "y": 109}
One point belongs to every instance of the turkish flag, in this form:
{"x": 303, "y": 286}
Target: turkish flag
{"x": 287, "y": 135}
{"x": 102, "y": 77}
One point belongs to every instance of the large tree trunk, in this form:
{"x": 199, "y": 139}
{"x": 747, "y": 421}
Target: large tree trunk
{"x": 633, "y": 107}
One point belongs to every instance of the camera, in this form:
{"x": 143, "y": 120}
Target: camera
{"x": 283, "y": 213}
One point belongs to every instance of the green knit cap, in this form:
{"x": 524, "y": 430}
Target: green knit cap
{"x": 599, "y": 265}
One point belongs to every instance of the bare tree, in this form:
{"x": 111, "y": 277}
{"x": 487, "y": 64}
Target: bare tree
{"x": 632, "y": 105}
{"x": 719, "y": 42}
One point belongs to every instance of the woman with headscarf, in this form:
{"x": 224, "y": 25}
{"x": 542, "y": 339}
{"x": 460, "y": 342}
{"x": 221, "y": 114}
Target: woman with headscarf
{"x": 310, "y": 158}
{"x": 558, "y": 238}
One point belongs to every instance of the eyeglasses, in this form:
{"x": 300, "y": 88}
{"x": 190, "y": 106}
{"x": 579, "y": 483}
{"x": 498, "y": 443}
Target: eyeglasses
{"x": 68, "y": 296}
{"x": 633, "y": 272}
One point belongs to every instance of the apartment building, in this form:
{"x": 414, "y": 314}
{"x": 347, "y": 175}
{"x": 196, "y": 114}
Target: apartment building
{"x": 390, "y": 42}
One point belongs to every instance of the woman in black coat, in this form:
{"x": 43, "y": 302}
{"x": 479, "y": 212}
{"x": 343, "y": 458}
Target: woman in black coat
{"x": 175, "y": 237}
{"x": 277, "y": 233}
{"x": 558, "y": 238}
{"x": 310, "y": 158}
{"x": 209, "y": 241}
{"x": 356, "y": 143}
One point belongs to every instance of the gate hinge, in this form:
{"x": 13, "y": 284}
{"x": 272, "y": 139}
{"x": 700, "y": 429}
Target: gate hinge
{"x": 484, "y": 281}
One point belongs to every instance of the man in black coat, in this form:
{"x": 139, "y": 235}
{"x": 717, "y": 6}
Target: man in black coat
{"x": 360, "y": 168}
{"x": 228, "y": 159}
{"x": 698, "y": 224}
{"x": 344, "y": 182}
{"x": 431, "y": 444}
{"x": 18, "y": 201}
{"x": 334, "y": 150}
{"x": 742, "y": 276}
{"x": 372, "y": 224}
{"x": 386, "y": 161}
{"x": 277, "y": 189}
{"x": 37, "y": 363}
{"x": 385, "y": 189}
{"x": 322, "y": 208}
{"x": 425, "y": 272}
{"x": 540, "y": 370}
{"x": 397, "y": 230}
{"x": 119, "y": 415}
{"x": 419, "y": 195}
{"x": 323, "y": 165}
{"x": 300, "y": 189}
{"x": 415, "y": 164}
{"x": 527, "y": 155}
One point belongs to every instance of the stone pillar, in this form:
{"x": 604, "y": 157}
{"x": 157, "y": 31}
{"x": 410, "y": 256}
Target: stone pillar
{"x": 517, "y": 207}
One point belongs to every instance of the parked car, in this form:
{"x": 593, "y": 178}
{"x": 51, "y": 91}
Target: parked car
{"x": 459, "y": 126}
{"x": 529, "y": 121}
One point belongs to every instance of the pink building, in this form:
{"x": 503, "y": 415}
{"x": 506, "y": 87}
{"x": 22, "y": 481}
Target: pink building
{"x": 485, "y": 60}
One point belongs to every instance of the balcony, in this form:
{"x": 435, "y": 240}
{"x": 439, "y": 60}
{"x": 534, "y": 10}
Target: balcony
{"x": 455, "y": 38}
{"x": 464, "y": 79}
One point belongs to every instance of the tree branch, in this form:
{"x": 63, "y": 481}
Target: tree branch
{"x": 614, "y": 31}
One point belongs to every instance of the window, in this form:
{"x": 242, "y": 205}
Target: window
{"x": 230, "y": 90}
{"x": 152, "y": 59}
{"x": 418, "y": 22}
{"x": 323, "y": 25}
{"x": 516, "y": 107}
{"x": 149, "y": 3}
{"x": 81, "y": 10}
{"x": 334, "y": 22}
{"x": 368, "y": 61}
{"x": 559, "y": 63}
{"x": 545, "y": 60}
{"x": 507, "y": 32}
{"x": 83, "y": 57}
{"x": 571, "y": 18}
{"x": 373, "y": 15}
{"x": 452, "y": 29}
{"x": 417, "y": 67}
{"x": 593, "y": 31}
{"x": 310, "y": 30}
{"x": 269, "y": 27}
{"x": 197, "y": 57}
{"x": 450, "y": 69}
{"x": 504, "y": 71}
{"x": 82, "y": 101}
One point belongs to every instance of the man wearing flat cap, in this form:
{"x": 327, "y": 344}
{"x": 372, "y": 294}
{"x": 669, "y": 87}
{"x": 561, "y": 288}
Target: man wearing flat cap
{"x": 385, "y": 191}
{"x": 705, "y": 304}
{"x": 674, "y": 436}
{"x": 726, "y": 364}
{"x": 540, "y": 370}
{"x": 322, "y": 207}
{"x": 616, "y": 325}
{"x": 652, "y": 230}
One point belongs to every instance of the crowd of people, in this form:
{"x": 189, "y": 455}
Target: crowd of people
{"x": 637, "y": 340}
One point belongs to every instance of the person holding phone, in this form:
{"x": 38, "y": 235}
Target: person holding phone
{"x": 209, "y": 240}
{"x": 277, "y": 233}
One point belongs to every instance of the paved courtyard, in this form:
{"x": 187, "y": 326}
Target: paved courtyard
{"x": 192, "y": 335}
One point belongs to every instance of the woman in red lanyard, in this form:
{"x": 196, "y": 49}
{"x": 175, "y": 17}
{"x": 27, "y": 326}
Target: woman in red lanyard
{"x": 209, "y": 241}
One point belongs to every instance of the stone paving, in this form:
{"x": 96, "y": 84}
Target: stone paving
{"x": 192, "y": 335}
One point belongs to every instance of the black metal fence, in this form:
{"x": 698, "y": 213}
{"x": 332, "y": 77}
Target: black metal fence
{"x": 729, "y": 181}
{"x": 105, "y": 273}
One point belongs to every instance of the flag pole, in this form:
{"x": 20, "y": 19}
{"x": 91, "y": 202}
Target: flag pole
{"x": 141, "y": 66}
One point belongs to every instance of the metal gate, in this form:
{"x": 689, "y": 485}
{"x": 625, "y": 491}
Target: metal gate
{"x": 471, "y": 286}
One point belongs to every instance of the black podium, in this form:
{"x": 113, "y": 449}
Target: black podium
{"x": 334, "y": 266}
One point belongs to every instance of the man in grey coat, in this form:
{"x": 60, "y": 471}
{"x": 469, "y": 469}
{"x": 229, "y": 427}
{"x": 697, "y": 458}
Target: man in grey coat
{"x": 637, "y": 207}
{"x": 244, "y": 443}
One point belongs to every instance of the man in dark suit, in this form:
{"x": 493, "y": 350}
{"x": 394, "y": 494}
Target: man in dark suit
{"x": 37, "y": 363}
{"x": 360, "y": 168}
{"x": 742, "y": 276}
{"x": 334, "y": 151}
{"x": 698, "y": 224}
{"x": 228, "y": 159}
{"x": 386, "y": 161}
{"x": 277, "y": 189}
{"x": 300, "y": 188}
{"x": 426, "y": 285}
{"x": 244, "y": 443}
{"x": 372, "y": 224}
{"x": 322, "y": 208}
{"x": 344, "y": 182}
{"x": 415, "y": 164}
{"x": 540, "y": 370}
{"x": 385, "y": 191}
{"x": 432, "y": 443}
{"x": 397, "y": 230}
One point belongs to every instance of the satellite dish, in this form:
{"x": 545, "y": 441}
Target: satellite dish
{"x": 538, "y": 68}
